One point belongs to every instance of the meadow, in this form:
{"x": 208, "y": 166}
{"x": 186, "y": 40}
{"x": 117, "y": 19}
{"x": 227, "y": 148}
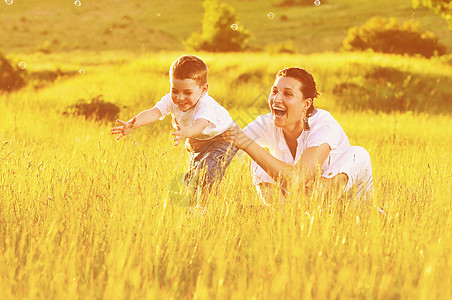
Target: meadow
{"x": 85, "y": 216}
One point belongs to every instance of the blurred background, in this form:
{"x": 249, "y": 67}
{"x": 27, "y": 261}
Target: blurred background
{"x": 64, "y": 25}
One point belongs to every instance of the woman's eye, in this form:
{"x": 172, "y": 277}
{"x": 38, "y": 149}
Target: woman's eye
{"x": 287, "y": 94}
{"x": 188, "y": 93}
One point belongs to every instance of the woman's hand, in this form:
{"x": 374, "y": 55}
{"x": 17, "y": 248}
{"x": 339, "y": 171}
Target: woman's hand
{"x": 234, "y": 136}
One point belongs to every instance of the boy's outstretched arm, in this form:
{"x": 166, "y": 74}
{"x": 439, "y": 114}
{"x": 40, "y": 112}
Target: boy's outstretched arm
{"x": 143, "y": 118}
{"x": 194, "y": 129}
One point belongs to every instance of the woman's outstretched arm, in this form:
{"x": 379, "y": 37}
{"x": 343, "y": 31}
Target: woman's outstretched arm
{"x": 305, "y": 168}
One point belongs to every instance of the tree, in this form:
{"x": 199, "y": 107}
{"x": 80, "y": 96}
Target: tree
{"x": 389, "y": 36}
{"x": 440, "y": 7}
{"x": 221, "y": 30}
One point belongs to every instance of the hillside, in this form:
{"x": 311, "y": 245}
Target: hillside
{"x": 29, "y": 26}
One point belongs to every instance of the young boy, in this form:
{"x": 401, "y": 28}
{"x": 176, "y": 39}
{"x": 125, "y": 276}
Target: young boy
{"x": 195, "y": 115}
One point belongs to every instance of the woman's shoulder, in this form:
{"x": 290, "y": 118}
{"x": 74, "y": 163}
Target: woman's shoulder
{"x": 321, "y": 116}
{"x": 265, "y": 118}
{"x": 262, "y": 121}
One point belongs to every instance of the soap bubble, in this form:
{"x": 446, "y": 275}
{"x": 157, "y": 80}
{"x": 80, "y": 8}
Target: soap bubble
{"x": 77, "y": 3}
{"x": 271, "y": 15}
{"x": 22, "y": 65}
{"x": 9, "y": 2}
{"x": 82, "y": 71}
{"x": 316, "y": 2}
{"x": 234, "y": 26}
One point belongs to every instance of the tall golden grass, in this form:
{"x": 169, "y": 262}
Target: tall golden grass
{"x": 85, "y": 216}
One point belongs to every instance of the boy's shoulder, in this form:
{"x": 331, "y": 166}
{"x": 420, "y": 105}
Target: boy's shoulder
{"x": 166, "y": 105}
{"x": 209, "y": 101}
{"x": 166, "y": 97}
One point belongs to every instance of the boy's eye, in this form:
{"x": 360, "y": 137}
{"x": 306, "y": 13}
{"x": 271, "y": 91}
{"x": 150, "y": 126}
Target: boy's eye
{"x": 288, "y": 93}
{"x": 188, "y": 93}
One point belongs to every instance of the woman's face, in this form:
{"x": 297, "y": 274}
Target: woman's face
{"x": 287, "y": 104}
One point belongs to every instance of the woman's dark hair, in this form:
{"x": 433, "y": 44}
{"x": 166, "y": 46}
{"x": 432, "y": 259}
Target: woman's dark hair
{"x": 308, "y": 86}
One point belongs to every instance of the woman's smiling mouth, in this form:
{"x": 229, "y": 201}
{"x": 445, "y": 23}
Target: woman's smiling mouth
{"x": 279, "y": 111}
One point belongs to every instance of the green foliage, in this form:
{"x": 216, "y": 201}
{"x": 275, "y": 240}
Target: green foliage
{"x": 96, "y": 109}
{"x": 221, "y": 31}
{"x": 389, "y": 36}
{"x": 285, "y": 47}
{"x": 440, "y": 7}
{"x": 11, "y": 78}
{"x": 387, "y": 89}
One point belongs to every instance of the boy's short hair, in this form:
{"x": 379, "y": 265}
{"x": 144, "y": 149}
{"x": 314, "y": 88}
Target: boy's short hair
{"x": 189, "y": 67}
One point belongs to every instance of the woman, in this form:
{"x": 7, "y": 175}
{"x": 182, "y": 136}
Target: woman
{"x": 307, "y": 145}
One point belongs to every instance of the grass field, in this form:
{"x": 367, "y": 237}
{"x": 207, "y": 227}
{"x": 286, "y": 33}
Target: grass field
{"x": 142, "y": 26}
{"x": 85, "y": 216}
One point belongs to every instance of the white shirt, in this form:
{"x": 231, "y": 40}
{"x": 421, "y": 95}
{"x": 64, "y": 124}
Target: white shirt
{"x": 206, "y": 108}
{"x": 323, "y": 129}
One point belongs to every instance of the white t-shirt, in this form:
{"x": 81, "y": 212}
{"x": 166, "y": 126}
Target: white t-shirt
{"x": 206, "y": 108}
{"x": 323, "y": 129}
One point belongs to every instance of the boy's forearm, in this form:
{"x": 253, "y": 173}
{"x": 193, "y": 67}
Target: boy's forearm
{"x": 197, "y": 127}
{"x": 147, "y": 117}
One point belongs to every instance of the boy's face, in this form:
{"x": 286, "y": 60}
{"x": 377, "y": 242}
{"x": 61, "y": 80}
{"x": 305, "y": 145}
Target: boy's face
{"x": 185, "y": 93}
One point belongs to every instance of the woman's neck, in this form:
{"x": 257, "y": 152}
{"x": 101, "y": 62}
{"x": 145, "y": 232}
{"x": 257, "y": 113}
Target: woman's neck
{"x": 291, "y": 133}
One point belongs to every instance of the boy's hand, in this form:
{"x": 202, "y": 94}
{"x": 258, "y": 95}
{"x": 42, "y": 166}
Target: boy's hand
{"x": 125, "y": 129}
{"x": 180, "y": 134}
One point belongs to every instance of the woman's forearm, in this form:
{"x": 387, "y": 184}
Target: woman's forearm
{"x": 305, "y": 169}
{"x": 277, "y": 169}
